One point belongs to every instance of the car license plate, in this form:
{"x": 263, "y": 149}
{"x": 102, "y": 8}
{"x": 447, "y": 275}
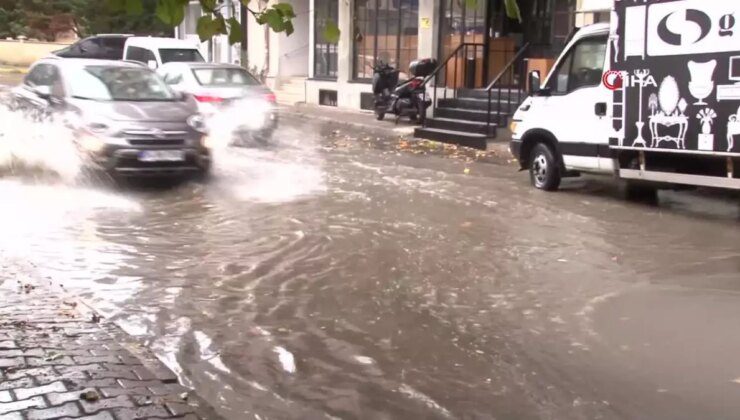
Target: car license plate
{"x": 161, "y": 155}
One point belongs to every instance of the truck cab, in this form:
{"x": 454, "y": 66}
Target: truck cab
{"x": 653, "y": 97}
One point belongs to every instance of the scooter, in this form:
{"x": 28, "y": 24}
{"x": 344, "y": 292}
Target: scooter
{"x": 405, "y": 98}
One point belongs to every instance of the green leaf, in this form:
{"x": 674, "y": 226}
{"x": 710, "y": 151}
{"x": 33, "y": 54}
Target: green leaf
{"x": 235, "y": 31}
{"x": 288, "y": 27}
{"x": 512, "y": 10}
{"x": 171, "y": 12}
{"x": 273, "y": 19}
{"x": 206, "y": 28}
{"x": 331, "y": 32}
{"x": 116, "y": 5}
{"x": 286, "y": 9}
{"x": 208, "y": 5}
{"x": 471, "y": 4}
{"x": 134, "y": 7}
{"x": 245, "y": 2}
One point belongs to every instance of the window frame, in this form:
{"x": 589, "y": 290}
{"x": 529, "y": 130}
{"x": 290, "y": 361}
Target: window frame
{"x": 331, "y": 10}
{"x": 374, "y": 21}
{"x": 568, "y": 57}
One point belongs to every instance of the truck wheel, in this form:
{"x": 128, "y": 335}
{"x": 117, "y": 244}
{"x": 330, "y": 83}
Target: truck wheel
{"x": 544, "y": 170}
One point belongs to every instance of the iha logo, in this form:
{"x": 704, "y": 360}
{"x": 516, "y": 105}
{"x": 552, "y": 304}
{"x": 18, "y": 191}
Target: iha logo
{"x": 613, "y": 79}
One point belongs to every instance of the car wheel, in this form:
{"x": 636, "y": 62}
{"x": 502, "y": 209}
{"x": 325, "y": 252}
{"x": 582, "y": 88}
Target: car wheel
{"x": 544, "y": 169}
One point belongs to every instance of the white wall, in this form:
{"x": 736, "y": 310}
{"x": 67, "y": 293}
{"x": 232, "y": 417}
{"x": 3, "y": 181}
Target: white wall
{"x": 294, "y": 48}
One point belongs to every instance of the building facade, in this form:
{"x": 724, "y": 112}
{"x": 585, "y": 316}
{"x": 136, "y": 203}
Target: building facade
{"x": 305, "y": 67}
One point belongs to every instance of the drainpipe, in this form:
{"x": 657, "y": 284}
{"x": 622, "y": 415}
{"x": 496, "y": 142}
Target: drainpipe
{"x": 244, "y": 44}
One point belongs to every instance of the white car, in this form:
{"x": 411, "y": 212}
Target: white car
{"x": 228, "y": 91}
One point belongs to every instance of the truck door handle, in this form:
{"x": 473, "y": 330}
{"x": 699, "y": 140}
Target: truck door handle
{"x": 600, "y": 109}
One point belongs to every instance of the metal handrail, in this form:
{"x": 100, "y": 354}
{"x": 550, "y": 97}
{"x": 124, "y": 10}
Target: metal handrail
{"x": 438, "y": 69}
{"x": 496, "y": 80}
{"x": 508, "y": 65}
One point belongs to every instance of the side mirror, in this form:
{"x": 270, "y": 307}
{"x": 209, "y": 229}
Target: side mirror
{"x": 43, "y": 92}
{"x": 534, "y": 82}
{"x": 151, "y": 64}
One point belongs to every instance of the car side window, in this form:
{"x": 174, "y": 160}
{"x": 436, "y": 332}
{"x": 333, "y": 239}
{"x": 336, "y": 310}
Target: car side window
{"x": 582, "y": 67}
{"x": 139, "y": 54}
{"x": 41, "y": 75}
{"x": 114, "y": 47}
{"x": 89, "y": 48}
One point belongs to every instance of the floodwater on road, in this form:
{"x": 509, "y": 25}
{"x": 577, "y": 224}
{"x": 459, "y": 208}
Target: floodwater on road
{"x": 323, "y": 279}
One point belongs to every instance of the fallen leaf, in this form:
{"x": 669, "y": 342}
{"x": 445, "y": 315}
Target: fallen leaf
{"x": 90, "y": 396}
{"x": 466, "y": 171}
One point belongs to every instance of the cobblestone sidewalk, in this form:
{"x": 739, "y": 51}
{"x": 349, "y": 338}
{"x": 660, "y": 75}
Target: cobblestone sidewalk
{"x": 58, "y": 360}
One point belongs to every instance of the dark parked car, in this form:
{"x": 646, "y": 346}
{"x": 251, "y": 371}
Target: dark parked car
{"x": 106, "y": 47}
{"x": 127, "y": 120}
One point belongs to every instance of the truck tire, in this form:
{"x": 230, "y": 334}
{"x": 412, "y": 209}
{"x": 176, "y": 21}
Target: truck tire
{"x": 544, "y": 168}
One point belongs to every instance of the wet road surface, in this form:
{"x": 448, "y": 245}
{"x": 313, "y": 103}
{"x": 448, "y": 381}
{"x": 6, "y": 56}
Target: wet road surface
{"x": 329, "y": 278}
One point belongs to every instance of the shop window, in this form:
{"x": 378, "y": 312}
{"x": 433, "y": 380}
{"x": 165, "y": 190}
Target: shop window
{"x": 387, "y": 31}
{"x": 325, "y": 52}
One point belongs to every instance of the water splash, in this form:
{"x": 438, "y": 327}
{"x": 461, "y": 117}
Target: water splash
{"x": 37, "y": 147}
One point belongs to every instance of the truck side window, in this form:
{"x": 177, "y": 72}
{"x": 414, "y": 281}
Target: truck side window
{"x": 582, "y": 67}
{"x": 139, "y": 54}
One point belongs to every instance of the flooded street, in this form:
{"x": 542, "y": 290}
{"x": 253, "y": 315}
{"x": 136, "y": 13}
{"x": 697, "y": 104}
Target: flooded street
{"x": 328, "y": 277}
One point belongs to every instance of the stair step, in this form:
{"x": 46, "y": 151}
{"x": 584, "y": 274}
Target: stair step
{"x": 475, "y": 103}
{"x": 470, "y": 115}
{"x": 462, "y": 125}
{"x": 474, "y": 140}
{"x": 514, "y": 93}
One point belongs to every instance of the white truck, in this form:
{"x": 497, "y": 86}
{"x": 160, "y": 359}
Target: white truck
{"x": 652, "y": 97}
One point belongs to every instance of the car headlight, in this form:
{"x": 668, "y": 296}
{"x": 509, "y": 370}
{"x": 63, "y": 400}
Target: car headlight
{"x": 197, "y": 123}
{"x": 207, "y": 142}
{"x": 91, "y": 142}
{"x": 512, "y": 127}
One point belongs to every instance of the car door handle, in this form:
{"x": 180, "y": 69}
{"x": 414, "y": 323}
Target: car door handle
{"x": 600, "y": 109}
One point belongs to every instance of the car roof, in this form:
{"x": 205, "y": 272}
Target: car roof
{"x": 159, "y": 42}
{"x": 202, "y": 65}
{"x": 80, "y": 62}
{"x": 593, "y": 29}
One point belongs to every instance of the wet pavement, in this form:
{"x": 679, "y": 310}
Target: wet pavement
{"x": 334, "y": 277}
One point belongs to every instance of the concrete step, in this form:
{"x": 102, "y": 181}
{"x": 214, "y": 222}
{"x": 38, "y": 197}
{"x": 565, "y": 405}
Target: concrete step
{"x": 474, "y": 140}
{"x": 515, "y": 94}
{"x": 471, "y": 115}
{"x": 479, "y": 104}
{"x": 462, "y": 125}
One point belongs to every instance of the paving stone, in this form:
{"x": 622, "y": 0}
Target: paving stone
{"x": 84, "y": 360}
{"x": 8, "y": 345}
{"x": 116, "y": 374}
{"x": 59, "y": 398}
{"x": 22, "y": 405}
{"x": 18, "y": 383}
{"x": 180, "y": 409}
{"x": 50, "y": 361}
{"x": 11, "y": 416}
{"x": 141, "y": 412}
{"x": 11, "y": 353}
{"x": 21, "y": 373}
{"x": 24, "y": 393}
{"x": 155, "y": 372}
{"x": 69, "y": 409}
{"x": 5, "y": 397}
{"x": 122, "y": 401}
{"x": 103, "y": 415}
{"x": 114, "y": 392}
{"x": 79, "y": 368}
{"x": 11, "y": 362}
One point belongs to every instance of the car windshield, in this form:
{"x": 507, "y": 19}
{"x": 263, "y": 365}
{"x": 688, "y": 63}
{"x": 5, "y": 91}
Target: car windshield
{"x": 224, "y": 77}
{"x": 186, "y": 55}
{"x": 109, "y": 83}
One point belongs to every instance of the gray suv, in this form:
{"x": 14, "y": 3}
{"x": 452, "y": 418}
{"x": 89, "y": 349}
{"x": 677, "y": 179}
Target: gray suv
{"x": 126, "y": 120}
